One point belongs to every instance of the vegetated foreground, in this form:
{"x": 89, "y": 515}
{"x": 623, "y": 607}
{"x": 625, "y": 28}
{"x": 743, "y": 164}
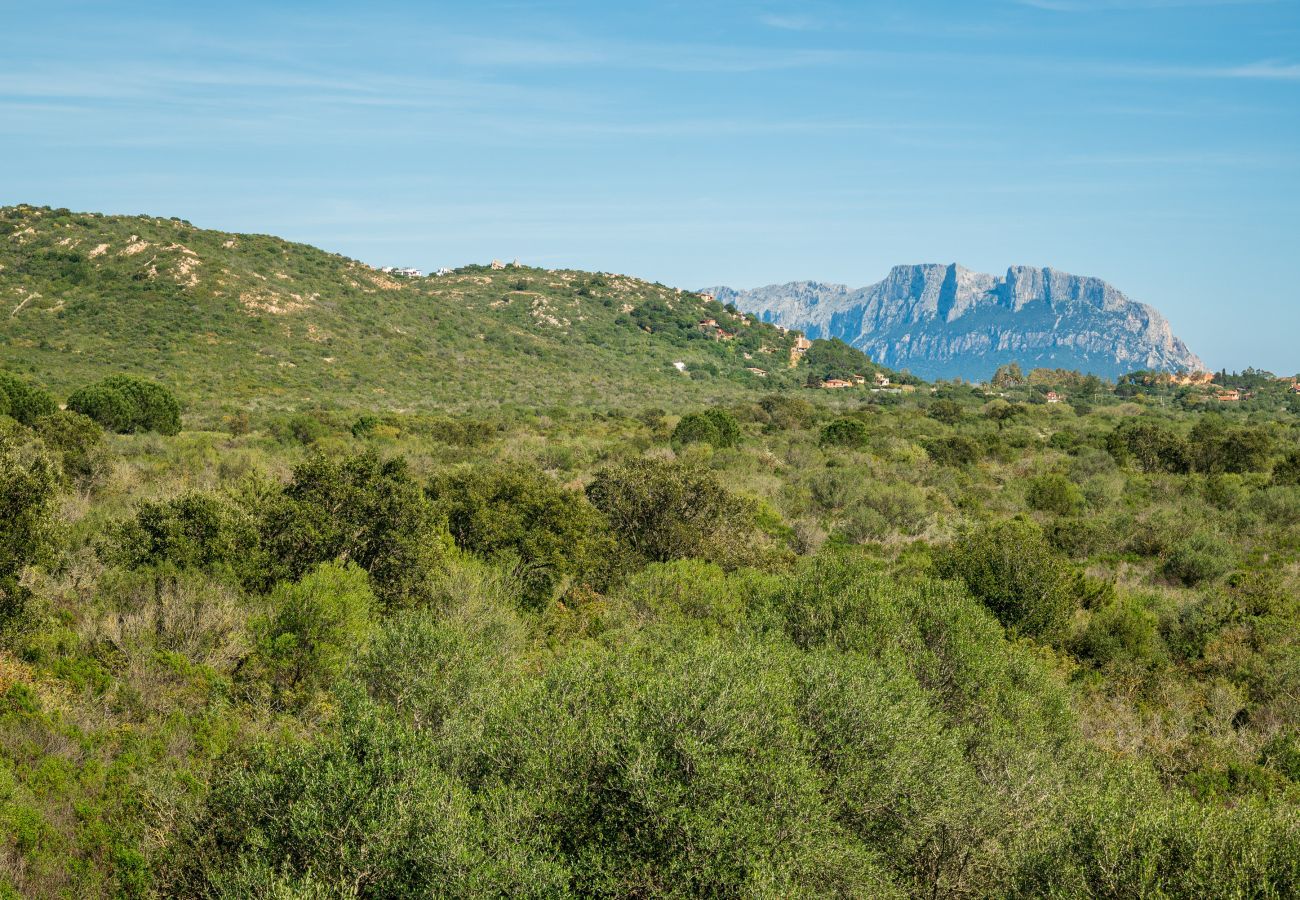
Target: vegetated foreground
{"x": 1035, "y": 639}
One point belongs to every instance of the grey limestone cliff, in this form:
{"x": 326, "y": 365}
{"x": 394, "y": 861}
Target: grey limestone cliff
{"x": 942, "y": 321}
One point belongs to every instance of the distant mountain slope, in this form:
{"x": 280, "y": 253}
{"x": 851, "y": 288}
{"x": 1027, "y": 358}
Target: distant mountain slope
{"x": 233, "y": 320}
{"x": 946, "y": 321}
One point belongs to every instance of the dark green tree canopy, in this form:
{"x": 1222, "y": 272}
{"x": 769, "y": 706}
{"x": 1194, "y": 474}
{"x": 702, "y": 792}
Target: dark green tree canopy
{"x": 1015, "y": 572}
{"x": 845, "y": 432}
{"x": 126, "y": 404}
{"x": 23, "y": 401}
{"x": 546, "y": 532}
{"x": 835, "y": 359}
{"x": 715, "y": 427}
{"x": 363, "y": 509}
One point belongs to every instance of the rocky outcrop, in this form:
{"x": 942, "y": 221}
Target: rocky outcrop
{"x": 942, "y": 321}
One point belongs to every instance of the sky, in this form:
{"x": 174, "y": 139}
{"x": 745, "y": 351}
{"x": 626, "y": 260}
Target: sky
{"x": 1152, "y": 143}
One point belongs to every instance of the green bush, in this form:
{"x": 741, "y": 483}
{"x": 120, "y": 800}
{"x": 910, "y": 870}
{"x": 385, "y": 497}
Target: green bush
{"x": 29, "y": 484}
{"x": 22, "y": 401}
{"x": 314, "y": 627}
{"x": 1151, "y": 447}
{"x": 1055, "y": 493}
{"x": 80, "y": 442}
{"x": 362, "y": 509}
{"x": 715, "y": 427}
{"x": 1011, "y": 568}
{"x": 126, "y": 405}
{"x": 193, "y": 531}
{"x": 844, "y": 432}
{"x": 545, "y": 533}
{"x": 661, "y": 510}
{"x": 1196, "y": 558}
{"x": 1122, "y": 633}
{"x": 949, "y": 412}
{"x": 1287, "y": 471}
{"x": 956, "y": 450}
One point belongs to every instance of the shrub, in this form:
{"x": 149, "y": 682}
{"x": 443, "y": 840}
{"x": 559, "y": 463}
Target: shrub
{"x": 715, "y": 427}
{"x": 126, "y": 404}
{"x": 1079, "y": 537}
{"x": 661, "y": 510}
{"x": 313, "y": 628}
{"x": 1011, "y": 568}
{"x": 1196, "y": 558}
{"x": 949, "y": 412}
{"x": 785, "y": 412}
{"x": 1056, "y": 494}
{"x": 546, "y": 533}
{"x": 80, "y": 442}
{"x": 193, "y": 531}
{"x": 1122, "y": 633}
{"x": 1214, "y": 447}
{"x": 1287, "y": 471}
{"x": 957, "y": 450}
{"x": 1151, "y": 447}
{"x": 844, "y": 432}
{"x": 22, "y": 401}
{"x": 28, "y": 525}
{"x": 362, "y": 509}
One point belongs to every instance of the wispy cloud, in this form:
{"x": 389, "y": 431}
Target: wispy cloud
{"x": 789, "y": 22}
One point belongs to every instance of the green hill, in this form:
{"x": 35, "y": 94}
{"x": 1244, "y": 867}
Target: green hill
{"x": 251, "y": 320}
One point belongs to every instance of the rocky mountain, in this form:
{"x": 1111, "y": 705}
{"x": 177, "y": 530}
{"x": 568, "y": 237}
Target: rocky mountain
{"x": 942, "y": 321}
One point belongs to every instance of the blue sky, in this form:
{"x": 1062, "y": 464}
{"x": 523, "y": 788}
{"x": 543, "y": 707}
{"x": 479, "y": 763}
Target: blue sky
{"x": 1153, "y": 143}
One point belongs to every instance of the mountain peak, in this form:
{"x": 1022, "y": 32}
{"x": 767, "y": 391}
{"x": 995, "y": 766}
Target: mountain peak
{"x": 944, "y": 320}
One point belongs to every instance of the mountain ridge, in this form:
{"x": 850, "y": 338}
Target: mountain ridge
{"x": 944, "y": 320}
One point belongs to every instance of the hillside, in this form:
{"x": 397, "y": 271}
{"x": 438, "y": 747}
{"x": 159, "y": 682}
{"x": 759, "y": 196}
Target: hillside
{"x": 941, "y": 321}
{"x": 235, "y": 320}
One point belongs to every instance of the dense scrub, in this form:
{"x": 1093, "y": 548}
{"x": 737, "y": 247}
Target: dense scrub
{"x": 947, "y": 643}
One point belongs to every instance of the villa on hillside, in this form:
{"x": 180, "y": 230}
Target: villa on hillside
{"x": 1232, "y": 395}
{"x": 882, "y": 380}
{"x": 836, "y": 383}
{"x": 1053, "y": 397}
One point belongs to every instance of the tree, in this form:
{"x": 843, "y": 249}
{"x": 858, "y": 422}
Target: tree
{"x": 28, "y": 491}
{"x": 126, "y": 404}
{"x": 946, "y": 411}
{"x": 1008, "y": 375}
{"x": 662, "y": 510}
{"x": 362, "y": 509}
{"x": 1011, "y": 568}
{"x": 313, "y": 628}
{"x": 80, "y": 443}
{"x": 844, "y": 432}
{"x": 835, "y": 359}
{"x": 1152, "y": 447}
{"x": 517, "y": 513}
{"x": 715, "y": 427}
{"x": 22, "y": 401}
